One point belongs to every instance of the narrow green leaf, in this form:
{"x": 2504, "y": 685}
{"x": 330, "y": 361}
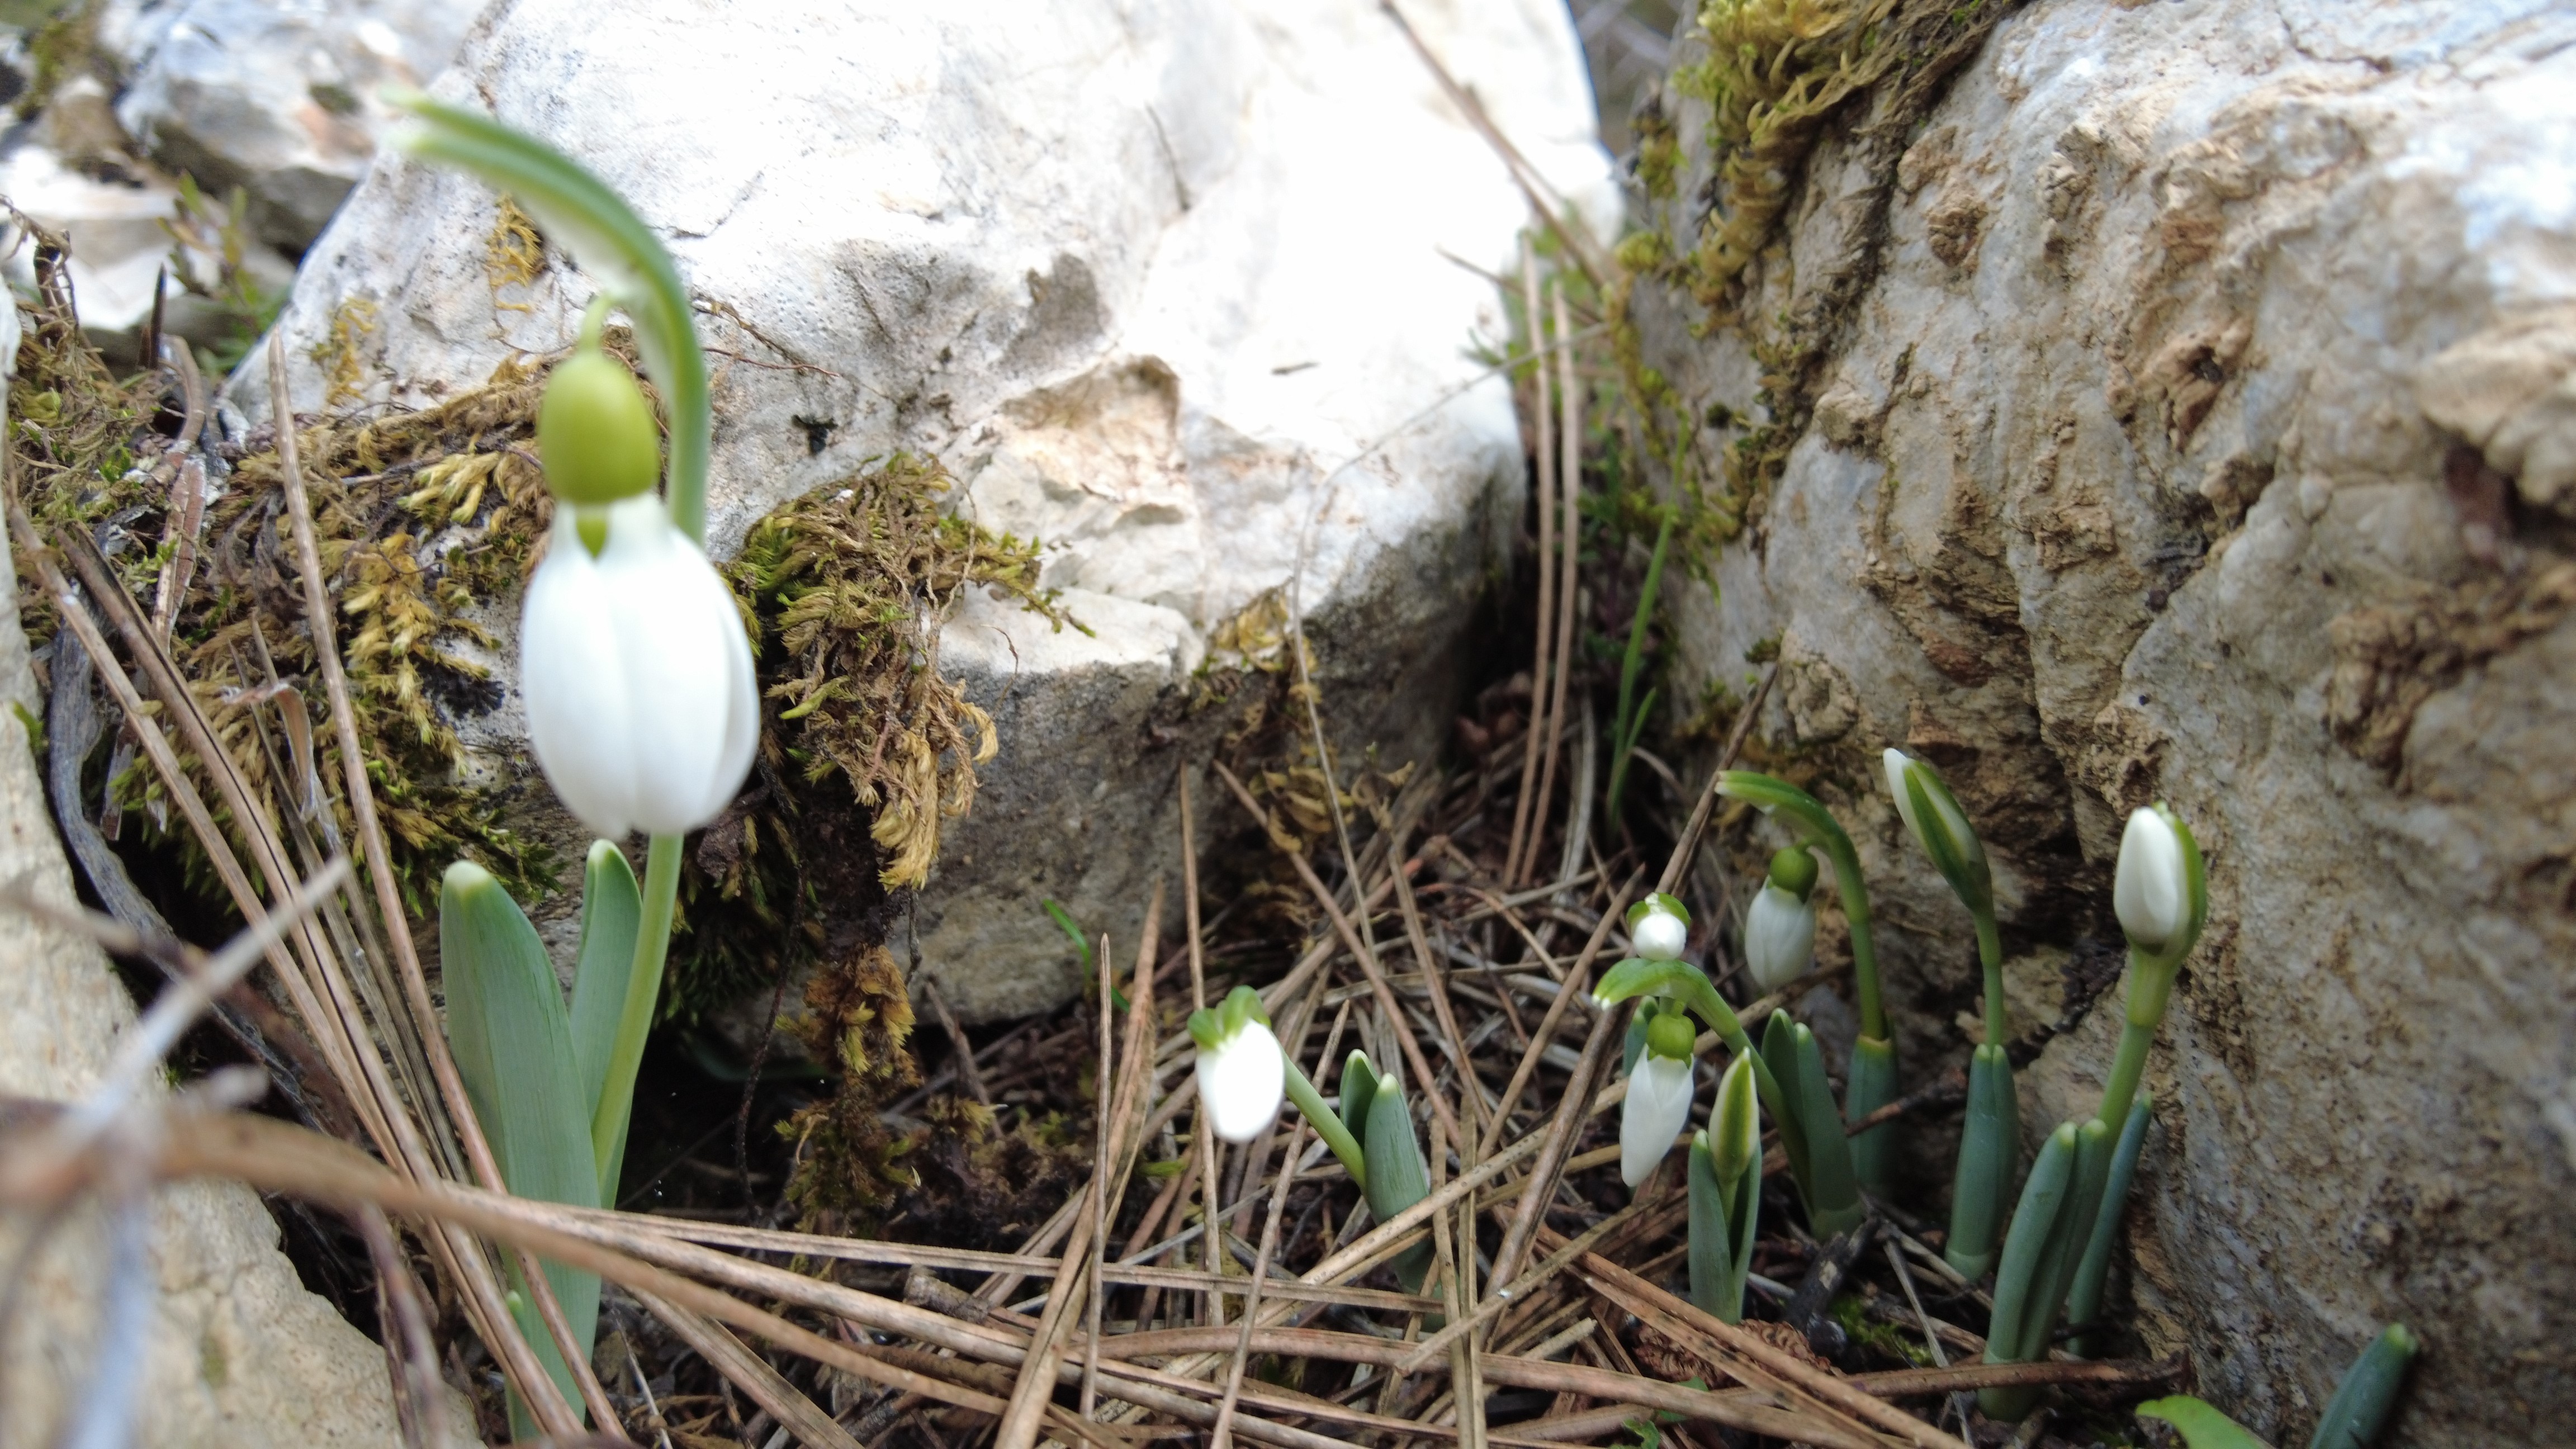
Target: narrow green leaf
{"x": 1397, "y": 1177}
{"x": 1833, "y": 1202}
{"x": 612, "y": 909}
{"x": 2026, "y": 1242}
{"x": 513, "y": 1044}
{"x": 1989, "y": 1140}
{"x": 2200, "y": 1426}
{"x": 2084, "y": 1300}
{"x": 1872, "y": 1086}
{"x": 1359, "y": 1089}
{"x": 2360, "y": 1406}
{"x": 1780, "y": 1062}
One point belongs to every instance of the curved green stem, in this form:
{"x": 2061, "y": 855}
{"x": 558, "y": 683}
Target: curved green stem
{"x": 635, "y": 1019}
{"x": 1328, "y": 1123}
{"x": 1721, "y": 1018}
{"x": 580, "y": 213}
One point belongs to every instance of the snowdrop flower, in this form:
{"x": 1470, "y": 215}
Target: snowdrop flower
{"x": 2157, "y": 892}
{"x": 1937, "y": 823}
{"x": 1780, "y": 926}
{"x": 641, "y": 706}
{"x": 1242, "y": 1073}
{"x": 1659, "y": 1097}
{"x": 1659, "y": 925}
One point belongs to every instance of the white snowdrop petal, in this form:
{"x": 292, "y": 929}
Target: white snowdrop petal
{"x": 1895, "y": 761}
{"x": 2149, "y": 892}
{"x": 572, "y": 683}
{"x": 1657, "y": 1108}
{"x": 1241, "y": 1082}
{"x": 1660, "y": 935}
{"x": 1779, "y": 937}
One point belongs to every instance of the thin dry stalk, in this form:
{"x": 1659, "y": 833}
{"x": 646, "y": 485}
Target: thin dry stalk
{"x": 1751, "y": 1358}
{"x": 1542, "y": 649}
{"x": 765, "y": 1385}
{"x": 1569, "y": 539}
{"x": 411, "y": 1354}
{"x": 965, "y": 1049}
{"x": 1578, "y": 981}
{"x": 1223, "y": 1435}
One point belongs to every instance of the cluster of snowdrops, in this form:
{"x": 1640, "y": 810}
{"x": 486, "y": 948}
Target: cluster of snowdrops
{"x": 643, "y": 714}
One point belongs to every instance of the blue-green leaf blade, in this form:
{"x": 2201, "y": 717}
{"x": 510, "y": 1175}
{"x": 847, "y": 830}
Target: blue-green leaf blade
{"x": 612, "y": 910}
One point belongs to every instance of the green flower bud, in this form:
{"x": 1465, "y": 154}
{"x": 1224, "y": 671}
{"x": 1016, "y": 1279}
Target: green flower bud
{"x": 1793, "y": 870}
{"x": 595, "y": 434}
{"x": 1670, "y": 1034}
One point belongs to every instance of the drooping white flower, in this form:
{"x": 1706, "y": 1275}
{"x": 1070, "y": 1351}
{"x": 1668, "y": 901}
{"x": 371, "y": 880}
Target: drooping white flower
{"x": 1242, "y": 1076}
{"x": 1779, "y": 937}
{"x": 1658, "y": 1107}
{"x": 2152, "y": 891}
{"x": 1658, "y": 930}
{"x": 641, "y": 706}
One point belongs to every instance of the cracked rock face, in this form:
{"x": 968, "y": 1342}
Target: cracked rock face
{"x": 2196, "y": 426}
{"x": 1164, "y": 286}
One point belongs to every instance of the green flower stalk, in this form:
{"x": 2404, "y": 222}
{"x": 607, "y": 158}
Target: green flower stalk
{"x": 1990, "y": 1138}
{"x": 1725, "y": 1196}
{"x": 1872, "y": 1084}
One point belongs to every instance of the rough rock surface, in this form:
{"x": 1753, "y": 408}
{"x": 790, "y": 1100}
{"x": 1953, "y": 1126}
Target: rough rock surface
{"x": 1150, "y": 280}
{"x": 2199, "y": 429}
{"x": 240, "y": 1355}
{"x": 279, "y": 97}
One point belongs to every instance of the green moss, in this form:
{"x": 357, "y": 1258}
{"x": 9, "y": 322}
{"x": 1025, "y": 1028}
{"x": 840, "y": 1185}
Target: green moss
{"x": 1854, "y": 1316}
{"x": 866, "y": 750}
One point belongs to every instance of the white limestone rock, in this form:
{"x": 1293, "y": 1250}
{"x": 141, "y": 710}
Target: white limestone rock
{"x": 2197, "y": 431}
{"x": 1156, "y": 282}
{"x": 281, "y": 97}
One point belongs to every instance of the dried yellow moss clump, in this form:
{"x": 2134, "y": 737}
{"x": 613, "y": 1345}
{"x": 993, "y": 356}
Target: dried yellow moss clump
{"x": 847, "y": 586}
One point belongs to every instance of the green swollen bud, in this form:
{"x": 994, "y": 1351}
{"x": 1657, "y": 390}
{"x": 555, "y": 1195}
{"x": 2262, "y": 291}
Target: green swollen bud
{"x": 1794, "y": 870}
{"x": 1670, "y": 1035}
{"x": 595, "y": 434}
{"x": 1205, "y": 1030}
